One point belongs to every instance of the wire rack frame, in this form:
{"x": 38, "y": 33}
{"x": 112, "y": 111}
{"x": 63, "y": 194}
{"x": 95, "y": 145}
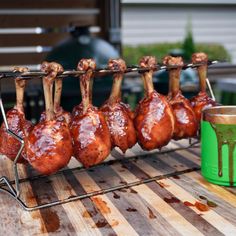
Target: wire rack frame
{"x": 99, "y": 72}
{"x": 8, "y": 187}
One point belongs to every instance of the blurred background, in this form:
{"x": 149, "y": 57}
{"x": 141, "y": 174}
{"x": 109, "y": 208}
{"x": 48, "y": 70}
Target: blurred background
{"x": 68, "y": 30}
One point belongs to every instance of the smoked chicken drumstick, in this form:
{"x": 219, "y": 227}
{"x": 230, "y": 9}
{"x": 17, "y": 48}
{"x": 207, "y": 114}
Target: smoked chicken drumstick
{"x": 185, "y": 120}
{"x": 90, "y": 133}
{"x": 9, "y": 146}
{"x": 201, "y": 100}
{"x": 154, "y": 121}
{"x": 49, "y": 145}
{"x": 119, "y": 115}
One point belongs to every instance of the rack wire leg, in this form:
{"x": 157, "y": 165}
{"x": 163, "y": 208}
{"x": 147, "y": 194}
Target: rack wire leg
{"x": 210, "y": 89}
{"x": 5, "y": 181}
{"x": 10, "y": 132}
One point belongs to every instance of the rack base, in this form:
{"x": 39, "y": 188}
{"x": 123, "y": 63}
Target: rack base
{"x": 44, "y": 200}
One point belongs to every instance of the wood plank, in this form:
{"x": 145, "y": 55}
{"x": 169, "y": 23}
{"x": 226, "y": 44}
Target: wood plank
{"x": 211, "y": 216}
{"x": 230, "y": 189}
{"x": 15, "y": 221}
{"x": 8, "y": 86}
{"x": 138, "y": 151}
{"x": 92, "y": 210}
{"x": 217, "y": 190}
{"x": 140, "y": 215}
{"x": 196, "y": 184}
{"x": 7, "y": 168}
{"x": 160, "y": 190}
{"x": 167, "y": 212}
{"x": 112, "y": 215}
{"x": 22, "y": 58}
{"x": 184, "y": 196}
{"x": 47, "y": 4}
{"x": 83, "y": 217}
{"x": 201, "y": 224}
{"x": 195, "y": 219}
{"x": 196, "y": 151}
{"x": 15, "y": 40}
{"x": 188, "y": 159}
{"x": 223, "y": 207}
{"x": 83, "y": 225}
{"x": 27, "y": 195}
{"x": 56, "y": 219}
{"x": 176, "y": 164}
{"x": 8, "y": 21}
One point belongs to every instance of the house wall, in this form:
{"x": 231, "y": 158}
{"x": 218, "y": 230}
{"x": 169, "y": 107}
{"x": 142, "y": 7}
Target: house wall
{"x": 148, "y": 23}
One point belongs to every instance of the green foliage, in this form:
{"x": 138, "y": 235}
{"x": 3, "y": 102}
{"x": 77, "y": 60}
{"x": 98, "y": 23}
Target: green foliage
{"x": 133, "y": 54}
{"x": 214, "y": 51}
{"x": 188, "y": 44}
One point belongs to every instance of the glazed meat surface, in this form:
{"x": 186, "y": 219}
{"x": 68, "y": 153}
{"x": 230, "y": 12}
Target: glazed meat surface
{"x": 185, "y": 120}
{"x": 118, "y": 114}
{"x": 17, "y": 123}
{"x": 90, "y": 133}
{"x": 201, "y": 100}
{"x": 49, "y": 145}
{"x": 154, "y": 120}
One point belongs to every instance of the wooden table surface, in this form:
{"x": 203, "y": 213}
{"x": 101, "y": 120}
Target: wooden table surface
{"x": 182, "y": 204}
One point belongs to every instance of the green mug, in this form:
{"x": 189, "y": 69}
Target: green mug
{"x": 218, "y": 145}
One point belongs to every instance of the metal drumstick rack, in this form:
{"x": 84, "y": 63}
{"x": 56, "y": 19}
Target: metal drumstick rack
{"x": 12, "y": 187}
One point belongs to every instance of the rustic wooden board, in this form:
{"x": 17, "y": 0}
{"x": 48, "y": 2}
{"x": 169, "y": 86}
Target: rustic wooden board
{"x": 24, "y": 58}
{"x": 176, "y": 205}
{"x": 24, "y": 21}
{"x": 45, "y": 14}
{"x": 49, "y": 39}
{"x": 47, "y": 4}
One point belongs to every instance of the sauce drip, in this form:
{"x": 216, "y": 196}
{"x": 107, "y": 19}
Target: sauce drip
{"x": 151, "y": 214}
{"x": 225, "y": 134}
{"x": 171, "y": 200}
{"x": 130, "y": 209}
{"x": 101, "y": 224}
{"x": 115, "y": 195}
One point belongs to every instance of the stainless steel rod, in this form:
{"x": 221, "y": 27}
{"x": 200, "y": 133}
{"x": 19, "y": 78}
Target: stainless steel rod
{"x": 98, "y": 192}
{"x": 210, "y": 89}
{"x": 97, "y": 72}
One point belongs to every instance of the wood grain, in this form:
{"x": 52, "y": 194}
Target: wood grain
{"x": 22, "y": 58}
{"x": 176, "y": 220}
{"x": 163, "y": 207}
{"x": 46, "y": 4}
{"x": 182, "y": 195}
{"x": 20, "y": 40}
{"x": 22, "y": 21}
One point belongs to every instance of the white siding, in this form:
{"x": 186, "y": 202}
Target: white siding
{"x": 146, "y": 24}
{"x": 189, "y": 2}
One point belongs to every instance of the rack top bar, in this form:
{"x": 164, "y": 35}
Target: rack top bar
{"x": 97, "y": 72}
